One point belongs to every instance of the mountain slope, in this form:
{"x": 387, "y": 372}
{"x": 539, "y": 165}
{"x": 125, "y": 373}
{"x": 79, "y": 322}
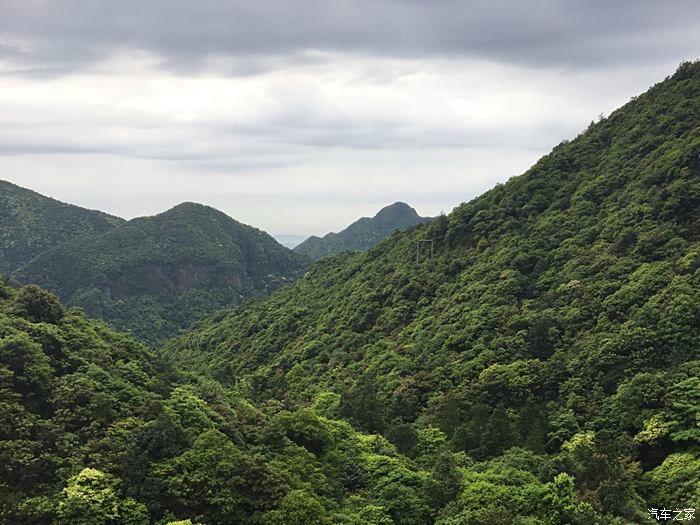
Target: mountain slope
{"x": 97, "y": 429}
{"x": 363, "y": 233}
{"x": 31, "y": 223}
{"x": 155, "y": 275}
{"x": 560, "y": 313}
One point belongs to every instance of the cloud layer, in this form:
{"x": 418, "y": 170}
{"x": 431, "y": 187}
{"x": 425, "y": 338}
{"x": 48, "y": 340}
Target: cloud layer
{"x": 67, "y": 34}
{"x": 300, "y": 116}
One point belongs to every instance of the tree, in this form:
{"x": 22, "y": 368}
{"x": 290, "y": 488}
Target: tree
{"x": 38, "y": 305}
{"x": 30, "y": 367}
{"x": 216, "y": 479}
{"x": 676, "y": 479}
{"x": 191, "y": 412}
{"x": 563, "y": 504}
{"x": 91, "y": 498}
{"x": 298, "y": 507}
{"x": 684, "y": 399}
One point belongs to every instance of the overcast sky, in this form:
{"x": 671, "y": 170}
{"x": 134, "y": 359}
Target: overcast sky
{"x": 300, "y": 116}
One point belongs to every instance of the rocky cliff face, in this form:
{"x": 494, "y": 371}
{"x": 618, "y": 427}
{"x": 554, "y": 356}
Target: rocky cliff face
{"x": 173, "y": 280}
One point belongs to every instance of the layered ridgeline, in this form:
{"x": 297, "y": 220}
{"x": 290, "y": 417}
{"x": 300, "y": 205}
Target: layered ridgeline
{"x": 555, "y": 330}
{"x": 152, "y": 276}
{"x": 364, "y": 233}
{"x": 95, "y": 429}
{"x": 31, "y": 223}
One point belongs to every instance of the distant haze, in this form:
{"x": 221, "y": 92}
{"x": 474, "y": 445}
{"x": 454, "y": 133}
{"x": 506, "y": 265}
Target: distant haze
{"x": 300, "y": 117}
{"x": 289, "y": 240}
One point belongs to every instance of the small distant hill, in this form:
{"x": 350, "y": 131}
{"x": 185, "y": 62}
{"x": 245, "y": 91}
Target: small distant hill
{"x": 31, "y": 223}
{"x": 155, "y": 275}
{"x": 364, "y": 233}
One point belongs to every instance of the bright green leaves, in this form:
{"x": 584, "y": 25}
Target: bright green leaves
{"x": 191, "y": 412}
{"x": 91, "y": 498}
{"x": 563, "y": 505}
{"x": 656, "y": 430}
{"x": 305, "y": 428}
{"x": 513, "y": 381}
{"x": 676, "y": 480}
{"x": 684, "y": 401}
{"x": 297, "y": 508}
{"x": 218, "y": 481}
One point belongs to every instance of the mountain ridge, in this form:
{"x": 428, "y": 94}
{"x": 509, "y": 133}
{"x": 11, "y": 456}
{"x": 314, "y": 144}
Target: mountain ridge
{"x": 31, "y": 223}
{"x": 363, "y": 233}
{"x": 155, "y": 275}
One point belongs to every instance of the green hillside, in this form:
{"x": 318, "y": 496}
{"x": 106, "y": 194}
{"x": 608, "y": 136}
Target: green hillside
{"x": 556, "y": 331}
{"x": 31, "y": 223}
{"x": 362, "y": 234}
{"x": 95, "y": 429}
{"x": 155, "y": 275}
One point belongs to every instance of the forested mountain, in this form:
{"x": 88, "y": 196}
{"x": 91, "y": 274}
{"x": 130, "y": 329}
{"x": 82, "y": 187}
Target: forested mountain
{"x": 363, "y": 233}
{"x": 155, "y": 275}
{"x": 554, "y": 336}
{"x": 31, "y": 223}
{"x": 96, "y": 429}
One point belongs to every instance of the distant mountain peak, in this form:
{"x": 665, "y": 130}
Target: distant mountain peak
{"x": 191, "y": 207}
{"x": 398, "y": 205}
{"x": 396, "y": 211}
{"x": 363, "y": 233}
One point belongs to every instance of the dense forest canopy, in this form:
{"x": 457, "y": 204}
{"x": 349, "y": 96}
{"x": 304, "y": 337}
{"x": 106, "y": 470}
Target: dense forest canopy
{"x": 542, "y": 367}
{"x": 31, "y": 223}
{"x": 96, "y": 429}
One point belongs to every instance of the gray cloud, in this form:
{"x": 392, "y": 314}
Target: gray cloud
{"x": 302, "y": 115}
{"x": 55, "y": 36}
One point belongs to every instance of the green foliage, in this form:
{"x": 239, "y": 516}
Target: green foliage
{"x": 25, "y": 364}
{"x": 91, "y": 498}
{"x": 190, "y": 412}
{"x": 297, "y": 508}
{"x": 684, "y": 401}
{"x": 327, "y": 404}
{"x": 31, "y": 223}
{"x": 154, "y": 276}
{"x": 38, "y": 305}
{"x": 95, "y": 428}
{"x": 216, "y": 480}
{"x": 563, "y": 504}
{"x": 676, "y": 479}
